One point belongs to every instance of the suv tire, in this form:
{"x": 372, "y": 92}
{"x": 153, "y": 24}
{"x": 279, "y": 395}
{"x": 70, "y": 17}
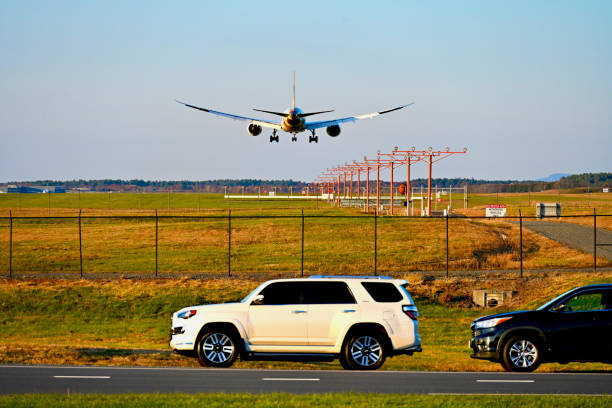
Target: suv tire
{"x": 521, "y": 353}
{"x": 217, "y": 348}
{"x": 363, "y": 351}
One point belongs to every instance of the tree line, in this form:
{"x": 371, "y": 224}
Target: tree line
{"x": 576, "y": 182}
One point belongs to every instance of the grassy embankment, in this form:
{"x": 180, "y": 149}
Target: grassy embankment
{"x": 105, "y": 322}
{"x": 271, "y": 245}
{"x": 327, "y": 400}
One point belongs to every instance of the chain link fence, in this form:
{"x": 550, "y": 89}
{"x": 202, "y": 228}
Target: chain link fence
{"x": 296, "y": 245}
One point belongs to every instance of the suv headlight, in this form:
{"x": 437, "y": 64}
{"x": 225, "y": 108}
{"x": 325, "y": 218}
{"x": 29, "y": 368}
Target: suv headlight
{"x": 186, "y": 314}
{"x": 485, "y": 324}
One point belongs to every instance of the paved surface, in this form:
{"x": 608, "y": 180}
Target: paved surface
{"x": 110, "y": 380}
{"x": 574, "y": 236}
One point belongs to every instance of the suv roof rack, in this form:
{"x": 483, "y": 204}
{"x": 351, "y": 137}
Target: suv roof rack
{"x": 348, "y": 277}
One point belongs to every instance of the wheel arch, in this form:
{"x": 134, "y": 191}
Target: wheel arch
{"x": 231, "y": 327}
{"x": 531, "y": 331}
{"x": 369, "y": 328}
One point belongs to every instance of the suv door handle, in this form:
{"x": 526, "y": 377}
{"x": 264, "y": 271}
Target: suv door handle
{"x": 349, "y": 311}
{"x": 298, "y": 311}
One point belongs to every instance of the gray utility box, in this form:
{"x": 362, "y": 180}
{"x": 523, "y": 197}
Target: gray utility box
{"x": 491, "y": 297}
{"x": 548, "y": 210}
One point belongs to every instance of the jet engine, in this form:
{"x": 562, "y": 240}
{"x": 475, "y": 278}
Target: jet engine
{"x": 333, "y": 130}
{"x": 254, "y": 129}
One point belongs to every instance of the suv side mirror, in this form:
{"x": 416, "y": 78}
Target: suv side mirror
{"x": 257, "y": 300}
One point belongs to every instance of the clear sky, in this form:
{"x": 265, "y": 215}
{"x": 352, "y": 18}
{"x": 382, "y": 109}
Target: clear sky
{"x": 87, "y": 88}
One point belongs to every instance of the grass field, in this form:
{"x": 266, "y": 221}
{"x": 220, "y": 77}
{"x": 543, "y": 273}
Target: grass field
{"x": 287, "y": 400}
{"x": 107, "y": 322}
{"x": 193, "y": 237}
{"x": 98, "y": 203}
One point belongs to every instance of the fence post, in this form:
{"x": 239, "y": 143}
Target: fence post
{"x": 447, "y": 244}
{"x": 229, "y": 242}
{"x": 156, "y": 239}
{"x": 302, "y": 242}
{"x": 375, "y": 242}
{"x": 80, "y": 246}
{"x": 10, "y": 244}
{"x": 521, "y": 240}
{"x": 594, "y": 240}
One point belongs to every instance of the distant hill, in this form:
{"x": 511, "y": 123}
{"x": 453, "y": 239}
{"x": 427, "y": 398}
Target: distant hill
{"x": 554, "y": 177}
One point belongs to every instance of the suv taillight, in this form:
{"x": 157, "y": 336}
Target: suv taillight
{"x": 410, "y": 311}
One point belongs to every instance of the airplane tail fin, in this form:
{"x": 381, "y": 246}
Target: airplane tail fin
{"x": 293, "y": 90}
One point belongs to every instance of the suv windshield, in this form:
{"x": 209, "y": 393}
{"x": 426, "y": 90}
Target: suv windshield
{"x": 552, "y": 302}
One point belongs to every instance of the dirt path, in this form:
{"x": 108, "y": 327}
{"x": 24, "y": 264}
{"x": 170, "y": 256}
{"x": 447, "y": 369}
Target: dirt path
{"x": 574, "y": 236}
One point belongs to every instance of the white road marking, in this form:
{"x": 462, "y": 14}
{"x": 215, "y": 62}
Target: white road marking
{"x": 505, "y": 381}
{"x": 95, "y": 377}
{"x": 289, "y": 379}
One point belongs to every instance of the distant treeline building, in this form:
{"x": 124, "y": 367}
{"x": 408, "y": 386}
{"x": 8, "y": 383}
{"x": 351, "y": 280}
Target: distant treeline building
{"x": 11, "y": 188}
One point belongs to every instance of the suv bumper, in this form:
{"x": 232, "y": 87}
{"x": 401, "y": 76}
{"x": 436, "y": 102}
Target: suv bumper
{"x": 408, "y": 350}
{"x": 484, "y": 346}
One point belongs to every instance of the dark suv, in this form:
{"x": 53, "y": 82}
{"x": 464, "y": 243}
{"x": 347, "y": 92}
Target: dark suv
{"x": 576, "y": 326}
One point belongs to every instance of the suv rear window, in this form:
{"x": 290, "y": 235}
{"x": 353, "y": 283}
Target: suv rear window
{"x": 383, "y": 291}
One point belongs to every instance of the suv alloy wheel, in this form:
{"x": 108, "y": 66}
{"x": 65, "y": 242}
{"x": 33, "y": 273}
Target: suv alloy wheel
{"x": 217, "y": 348}
{"x": 363, "y": 351}
{"x": 521, "y": 354}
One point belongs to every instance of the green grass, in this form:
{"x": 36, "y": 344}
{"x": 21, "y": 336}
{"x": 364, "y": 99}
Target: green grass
{"x": 99, "y": 322}
{"x": 313, "y": 400}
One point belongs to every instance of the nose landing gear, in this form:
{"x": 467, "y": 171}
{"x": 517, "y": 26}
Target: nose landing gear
{"x": 294, "y": 138}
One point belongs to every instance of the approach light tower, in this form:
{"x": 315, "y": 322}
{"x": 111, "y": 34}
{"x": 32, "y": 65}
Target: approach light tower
{"x": 434, "y": 156}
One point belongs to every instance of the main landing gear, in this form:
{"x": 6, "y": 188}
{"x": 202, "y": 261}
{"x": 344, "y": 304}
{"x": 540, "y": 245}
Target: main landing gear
{"x": 274, "y": 137}
{"x": 313, "y": 138}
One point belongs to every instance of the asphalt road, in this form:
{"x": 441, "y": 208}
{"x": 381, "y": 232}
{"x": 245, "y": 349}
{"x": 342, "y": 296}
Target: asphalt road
{"x": 63, "y": 379}
{"x": 574, "y": 236}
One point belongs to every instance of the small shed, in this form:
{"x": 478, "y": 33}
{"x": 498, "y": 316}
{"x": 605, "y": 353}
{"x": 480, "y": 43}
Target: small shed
{"x": 548, "y": 210}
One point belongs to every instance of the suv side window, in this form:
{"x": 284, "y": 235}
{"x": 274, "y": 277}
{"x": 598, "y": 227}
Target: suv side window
{"x": 585, "y": 302}
{"x": 282, "y": 293}
{"x": 384, "y": 292}
{"x": 320, "y": 293}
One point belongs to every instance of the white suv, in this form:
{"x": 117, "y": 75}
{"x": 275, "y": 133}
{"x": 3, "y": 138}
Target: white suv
{"x": 361, "y": 320}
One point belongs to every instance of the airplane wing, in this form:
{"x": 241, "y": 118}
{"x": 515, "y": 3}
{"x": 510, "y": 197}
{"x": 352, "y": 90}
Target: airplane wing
{"x": 326, "y": 123}
{"x": 261, "y": 122}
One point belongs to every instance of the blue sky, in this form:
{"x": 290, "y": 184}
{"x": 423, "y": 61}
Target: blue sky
{"x": 87, "y": 88}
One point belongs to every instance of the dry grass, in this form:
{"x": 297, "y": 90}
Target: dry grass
{"x": 273, "y": 245}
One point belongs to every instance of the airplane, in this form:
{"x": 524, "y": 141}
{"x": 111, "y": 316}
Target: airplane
{"x": 293, "y": 120}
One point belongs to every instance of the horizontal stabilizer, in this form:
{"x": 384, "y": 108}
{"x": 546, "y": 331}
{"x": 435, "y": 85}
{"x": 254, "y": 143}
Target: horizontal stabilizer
{"x": 303, "y": 115}
{"x": 271, "y": 113}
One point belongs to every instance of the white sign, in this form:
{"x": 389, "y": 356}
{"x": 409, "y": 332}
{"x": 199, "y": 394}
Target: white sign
{"x": 606, "y": 190}
{"x": 495, "y": 210}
